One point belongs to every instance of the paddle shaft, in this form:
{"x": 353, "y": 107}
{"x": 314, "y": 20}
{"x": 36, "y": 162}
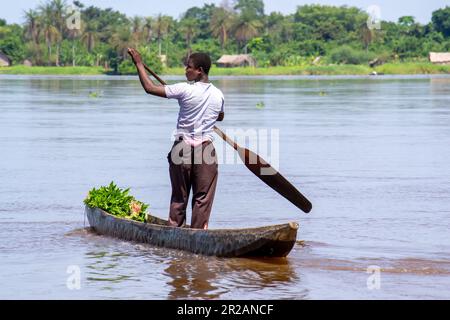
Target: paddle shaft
{"x": 260, "y": 167}
{"x": 154, "y": 75}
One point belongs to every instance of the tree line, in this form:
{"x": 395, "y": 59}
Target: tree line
{"x": 338, "y": 34}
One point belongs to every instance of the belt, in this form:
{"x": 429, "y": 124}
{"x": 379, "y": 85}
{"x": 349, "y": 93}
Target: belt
{"x": 182, "y": 138}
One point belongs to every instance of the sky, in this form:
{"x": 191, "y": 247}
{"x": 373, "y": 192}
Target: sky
{"x": 390, "y": 10}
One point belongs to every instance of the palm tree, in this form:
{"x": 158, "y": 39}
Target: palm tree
{"x": 51, "y": 33}
{"x": 90, "y": 34}
{"x": 367, "y": 36}
{"x": 287, "y": 30}
{"x": 221, "y": 22}
{"x": 59, "y": 8}
{"x": 170, "y": 22}
{"x": 189, "y": 27}
{"x": 162, "y": 25}
{"x": 32, "y": 25}
{"x": 137, "y": 30}
{"x": 148, "y": 29}
{"x": 121, "y": 41}
{"x": 32, "y": 29}
{"x": 246, "y": 27}
{"x": 279, "y": 28}
{"x": 73, "y": 34}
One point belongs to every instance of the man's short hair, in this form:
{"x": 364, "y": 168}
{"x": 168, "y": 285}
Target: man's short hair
{"x": 201, "y": 60}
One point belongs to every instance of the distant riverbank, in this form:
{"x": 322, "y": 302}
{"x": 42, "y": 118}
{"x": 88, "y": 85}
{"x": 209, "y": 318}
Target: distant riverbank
{"x": 389, "y": 69}
{"x": 19, "y": 69}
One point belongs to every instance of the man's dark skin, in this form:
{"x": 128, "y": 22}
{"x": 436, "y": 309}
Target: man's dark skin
{"x": 192, "y": 74}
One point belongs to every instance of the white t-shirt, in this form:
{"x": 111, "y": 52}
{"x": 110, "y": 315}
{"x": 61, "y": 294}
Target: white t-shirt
{"x": 200, "y": 105}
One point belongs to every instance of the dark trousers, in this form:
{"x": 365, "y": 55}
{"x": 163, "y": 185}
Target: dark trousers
{"x": 194, "y": 168}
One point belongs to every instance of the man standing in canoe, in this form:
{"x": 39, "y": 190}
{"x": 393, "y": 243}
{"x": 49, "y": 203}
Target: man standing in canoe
{"x": 192, "y": 159}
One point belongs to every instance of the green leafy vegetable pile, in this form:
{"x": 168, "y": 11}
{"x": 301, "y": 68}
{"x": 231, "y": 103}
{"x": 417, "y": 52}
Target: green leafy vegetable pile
{"x": 117, "y": 202}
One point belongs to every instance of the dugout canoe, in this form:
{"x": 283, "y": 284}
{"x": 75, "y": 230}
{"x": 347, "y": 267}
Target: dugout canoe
{"x": 270, "y": 241}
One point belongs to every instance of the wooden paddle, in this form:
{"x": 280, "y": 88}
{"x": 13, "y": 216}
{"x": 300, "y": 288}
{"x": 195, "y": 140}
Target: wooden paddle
{"x": 261, "y": 168}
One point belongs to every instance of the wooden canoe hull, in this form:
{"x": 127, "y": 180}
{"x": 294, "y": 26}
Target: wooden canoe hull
{"x": 271, "y": 241}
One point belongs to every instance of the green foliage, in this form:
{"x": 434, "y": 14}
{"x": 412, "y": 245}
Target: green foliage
{"x": 406, "y": 21}
{"x": 348, "y": 55}
{"x": 338, "y": 34}
{"x": 407, "y": 47}
{"x": 298, "y": 60}
{"x": 177, "y": 55}
{"x": 348, "y": 69}
{"x": 253, "y": 8}
{"x": 73, "y": 51}
{"x": 259, "y": 48}
{"x": 211, "y": 46}
{"x": 149, "y": 57}
{"x": 256, "y": 44}
{"x": 413, "y": 68}
{"x": 13, "y": 48}
{"x": 441, "y": 21}
{"x": 105, "y": 22}
{"x": 117, "y": 202}
{"x": 328, "y": 22}
{"x": 39, "y": 70}
{"x": 127, "y": 67}
{"x": 203, "y": 18}
{"x": 11, "y": 43}
{"x": 311, "y": 48}
{"x": 94, "y": 94}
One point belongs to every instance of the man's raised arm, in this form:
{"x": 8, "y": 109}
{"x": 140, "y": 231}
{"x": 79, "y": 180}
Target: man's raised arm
{"x": 147, "y": 83}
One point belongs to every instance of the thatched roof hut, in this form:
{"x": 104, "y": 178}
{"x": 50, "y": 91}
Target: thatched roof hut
{"x": 440, "y": 57}
{"x": 4, "y": 60}
{"x": 239, "y": 60}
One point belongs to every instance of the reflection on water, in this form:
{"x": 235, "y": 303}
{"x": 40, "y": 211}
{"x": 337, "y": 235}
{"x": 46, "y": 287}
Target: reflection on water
{"x": 371, "y": 153}
{"x": 102, "y": 267}
{"x": 187, "y": 276}
{"x": 116, "y": 264}
{"x": 268, "y": 272}
{"x": 192, "y": 279}
{"x": 211, "y": 278}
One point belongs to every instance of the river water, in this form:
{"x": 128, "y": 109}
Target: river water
{"x": 371, "y": 153}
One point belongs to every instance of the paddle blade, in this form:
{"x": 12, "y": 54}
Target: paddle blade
{"x": 274, "y": 179}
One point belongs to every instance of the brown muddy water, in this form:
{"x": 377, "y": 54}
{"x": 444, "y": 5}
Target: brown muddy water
{"x": 372, "y": 154}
